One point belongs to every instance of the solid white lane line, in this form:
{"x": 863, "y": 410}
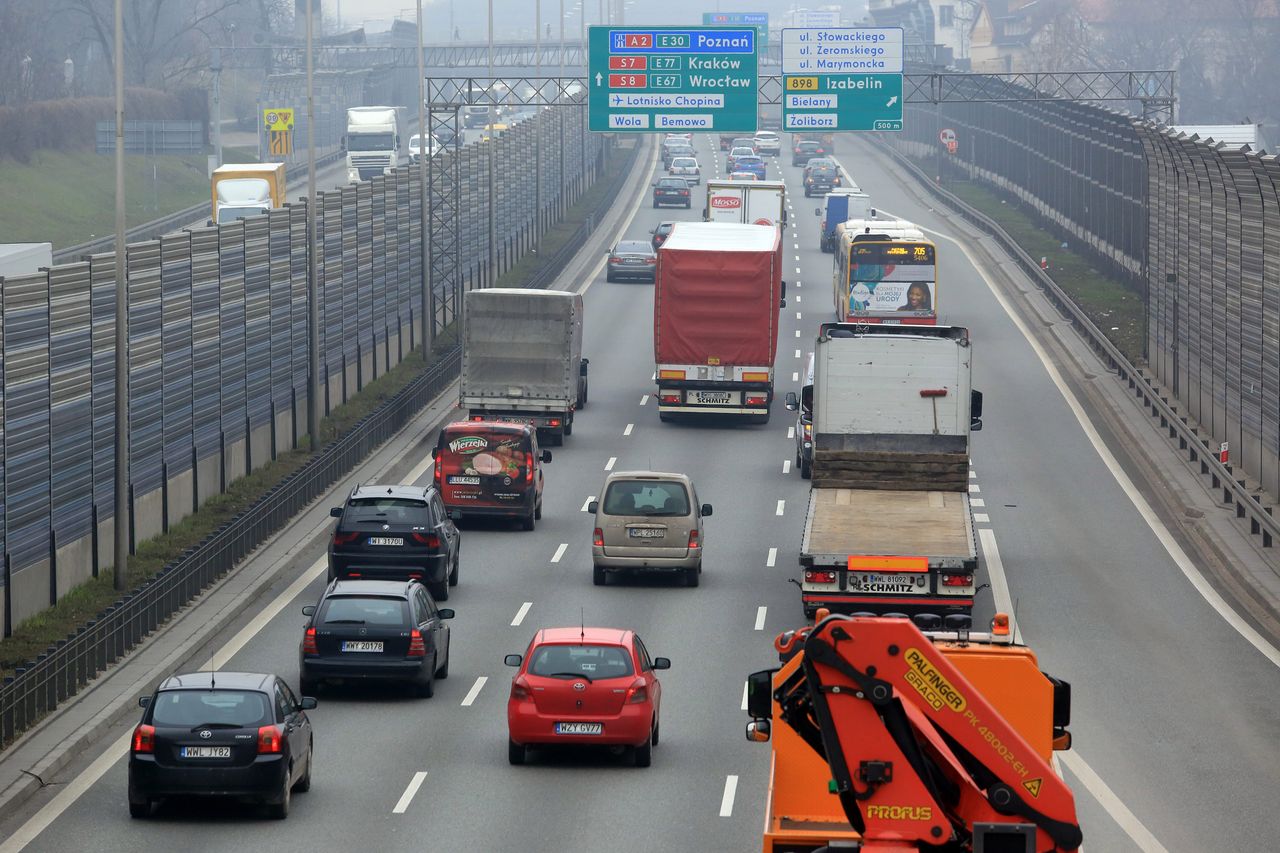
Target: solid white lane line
{"x": 772, "y": 558}
{"x": 587, "y": 502}
{"x": 407, "y": 797}
{"x": 786, "y": 466}
{"x": 613, "y": 460}
{"x": 474, "y": 691}
{"x": 744, "y": 695}
{"x": 627, "y": 431}
{"x": 977, "y": 502}
{"x": 974, "y": 488}
{"x": 999, "y": 583}
{"x": 760, "y": 614}
{"x": 795, "y": 376}
{"x": 521, "y": 613}
{"x": 791, "y": 432}
{"x": 644, "y": 399}
{"x": 981, "y": 518}
{"x": 726, "y": 802}
{"x": 420, "y": 469}
{"x": 564, "y": 546}
{"x": 781, "y": 505}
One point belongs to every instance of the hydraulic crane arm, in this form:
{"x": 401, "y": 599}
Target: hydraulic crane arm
{"x": 916, "y": 753}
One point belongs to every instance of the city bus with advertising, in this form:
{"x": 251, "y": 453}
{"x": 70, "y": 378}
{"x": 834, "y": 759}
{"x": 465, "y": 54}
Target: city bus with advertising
{"x": 885, "y": 271}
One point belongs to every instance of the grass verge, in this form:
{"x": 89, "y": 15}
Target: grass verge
{"x": 35, "y": 635}
{"x": 1115, "y": 309}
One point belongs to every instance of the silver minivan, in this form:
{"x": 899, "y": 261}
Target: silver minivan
{"x": 647, "y": 521}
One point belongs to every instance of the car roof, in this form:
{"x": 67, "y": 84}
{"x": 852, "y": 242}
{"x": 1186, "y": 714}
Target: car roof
{"x": 399, "y": 589}
{"x": 218, "y": 680}
{"x": 575, "y": 634}
{"x": 469, "y": 427}
{"x": 647, "y": 475}
{"x": 392, "y": 491}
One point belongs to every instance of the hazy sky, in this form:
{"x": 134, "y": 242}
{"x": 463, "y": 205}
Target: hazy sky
{"x": 515, "y": 17}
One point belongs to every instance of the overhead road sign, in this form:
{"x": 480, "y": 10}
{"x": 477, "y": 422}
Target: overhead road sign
{"x": 842, "y": 78}
{"x": 672, "y": 79}
{"x": 759, "y": 20}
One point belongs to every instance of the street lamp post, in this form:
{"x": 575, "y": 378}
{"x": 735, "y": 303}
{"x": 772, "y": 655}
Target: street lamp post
{"x": 124, "y": 512}
{"x": 313, "y": 256}
{"x": 424, "y": 150}
{"x": 492, "y": 146}
{"x": 537, "y": 128}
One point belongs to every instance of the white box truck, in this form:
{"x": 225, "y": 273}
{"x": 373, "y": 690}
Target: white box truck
{"x": 746, "y": 202}
{"x": 373, "y": 141}
{"x": 24, "y": 258}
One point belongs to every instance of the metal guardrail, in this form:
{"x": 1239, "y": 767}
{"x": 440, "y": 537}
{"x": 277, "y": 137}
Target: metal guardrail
{"x": 1198, "y": 449}
{"x": 69, "y": 664}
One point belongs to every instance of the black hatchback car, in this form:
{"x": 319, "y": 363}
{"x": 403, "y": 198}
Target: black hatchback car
{"x": 396, "y": 533}
{"x": 820, "y": 177}
{"x": 375, "y": 631}
{"x": 242, "y": 735}
{"x": 660, "y": 234}
{"x": 671, "y": 191}
{"x": 632, "y": 259}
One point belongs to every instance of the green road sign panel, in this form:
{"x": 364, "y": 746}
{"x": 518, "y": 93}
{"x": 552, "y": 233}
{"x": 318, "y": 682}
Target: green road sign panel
{"x": 672, "y": 79}
{"x": 759, "y": 20}
{"x": 842, "y": 78}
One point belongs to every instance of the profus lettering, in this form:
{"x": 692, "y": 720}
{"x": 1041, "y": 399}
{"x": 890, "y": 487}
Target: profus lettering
{"x": 922, "y": 813}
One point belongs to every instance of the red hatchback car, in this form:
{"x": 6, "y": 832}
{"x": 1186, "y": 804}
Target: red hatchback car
{"x": 585, "y": 686}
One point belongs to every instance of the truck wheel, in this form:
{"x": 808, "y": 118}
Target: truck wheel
{"x": 568, "y": 427}
{"x": 582, "y": 403}
{"x": 806, "y": 470}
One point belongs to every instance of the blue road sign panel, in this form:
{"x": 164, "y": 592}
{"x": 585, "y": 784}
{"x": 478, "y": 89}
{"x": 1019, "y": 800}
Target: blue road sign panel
{"x": 842, "y": 78}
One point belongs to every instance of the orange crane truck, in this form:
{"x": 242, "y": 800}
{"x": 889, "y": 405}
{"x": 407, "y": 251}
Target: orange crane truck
{"x": 888, "y": 739}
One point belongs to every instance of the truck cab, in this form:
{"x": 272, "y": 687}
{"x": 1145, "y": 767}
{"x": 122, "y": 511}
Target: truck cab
{"x": 246, "y": 189}
{"x": 373, "y": 142}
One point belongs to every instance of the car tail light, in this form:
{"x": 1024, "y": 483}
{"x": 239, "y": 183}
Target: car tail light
{"x": 615, "y": 260}
{"x": 693, "y": 539}
{"x": 477, "y": 417}
{"x": 555, "y": 422}
{"x": 417, "y": 646}
{"x": 520, "y": 690}
{"x": 270, "y": 741}
{"x": 684, "y": 192}
{"x": 637, "y": 693}
{"x": 819, "y": 576}
{"x": 756, "y": 400}
{"x": 345, "y": 538}
{"x": 431, "y": 540}
{"x": 354, "y": 575}
{"x": 651, "y": 261}
{"x": 309, "y": 646}
{"x": 957, "y": 580}
{"x": 439, "y": 474}
{"x": 144, "y": 739}
{"x": 597, "y": 538}
{"x": 528, "y": 467}
{"x": 672, "y": 399}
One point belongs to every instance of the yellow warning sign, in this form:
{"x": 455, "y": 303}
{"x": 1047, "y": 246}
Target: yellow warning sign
{"x": 278, "y": 119}
{"x": 1033, "y": 786}
{"x": 280, "y": 143}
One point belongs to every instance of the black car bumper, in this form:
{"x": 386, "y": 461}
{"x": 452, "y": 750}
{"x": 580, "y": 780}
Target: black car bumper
{"x": 431, "y": 568}
{"x": 262, "y": 780}
{"x": 316, "y": 668}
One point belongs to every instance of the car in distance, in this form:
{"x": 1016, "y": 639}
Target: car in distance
{"x": 238, "y": 735}
{"x": 745, "y": 142}
{"x": 660, "y": 234}
{"x": 375, "y": 631}
{"x": 396, "y": 533}
{"x": 743, "y": 176}
{"x": 585, "y": 686}
{"x": 631, "y": 259}
{"x": 736, "y": 152}
{"x": 671, "y": 191}
{"x": 754, "y": 164}
{"x": 820, "y": 179}
{"x": 647, "y": 521}
{"x": 687, "y": 168}
{"x": 768, "y": 142}
{"x": 674, "y": 150}
{"x": 804, "y": 150}
{"x": 416, "y": 147}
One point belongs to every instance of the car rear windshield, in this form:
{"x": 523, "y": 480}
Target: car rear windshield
{"x": 646, "y": 497}
{"x": 673, "y": 182}
{"x": 351, "y": 609}
{"x": 809, "y": 146}
{"x": 592, "y": 661}
{"x": 635, "y": 247}
{"x": 388, "y": 510}
{"x": 190, "y": 708}
{"x": 684, "y": 161}
{"x": 749, "y": 161}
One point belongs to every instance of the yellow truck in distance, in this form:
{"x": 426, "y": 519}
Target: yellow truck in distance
{"x": 246, "y": 189}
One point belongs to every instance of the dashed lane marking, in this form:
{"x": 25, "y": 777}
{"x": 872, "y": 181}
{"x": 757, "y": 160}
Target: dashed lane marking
{"x": 791, "y": 432}
{"x": 407, "y": 797}
{"x": 613, "y": 460}
{"x": 977, "y": 502}
{"x": 772, "y": 559}
{"x": 781, "y": 505}
{"x": 627, "y": 431}
{"x": 564, "y": 546}
{"x": 644, "y": 399}
{"x": 786, "y": 466}
{"x": 726, "y": 801}
{"x": 521, "y": 613}
{"x": 974, "y": 488}
{"x": 470, "y": 698}
{"x": 760, "y": 614}
{"x": 981, "y": 518}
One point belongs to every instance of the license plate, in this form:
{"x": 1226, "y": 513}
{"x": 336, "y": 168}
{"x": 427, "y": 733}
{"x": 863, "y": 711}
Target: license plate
{"x": 646, "y": 532}
{"x": 386, "y": 540}
{"x": 205, "y": 752}
{"x": 579, "y": 728}
{"x": 897, "y": 584}
{"x": 632, "y": 261}
{"x": 713, "y": 397}
{"x": 361, "y": 646}
{"x": 455, "y": 480}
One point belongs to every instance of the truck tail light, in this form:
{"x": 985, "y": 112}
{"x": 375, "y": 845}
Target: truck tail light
{"x": 637, "y": 693}
{"x": 345, "y": 538}
{"x": 417, "y": 646}
{"x": 957, "y": 580}
{"x": 597, "y": 538}
{"x": 669, "y": 399}
{"x": 756, "y": 399}
{"x": 528, "y": 467}
{"x": 555, "y": 422}
{"x": 270, "y": 740}
{"x": 309, "y": 646}
{"x": 431, "y": 540}
{"x": 144, "y": 739}
{"x": 755, "y": 376}
{"x": 520, "y": 690}
{"x": 933, "y": 392}
{"x": 693, "y": 540}
{"x": 819, "y": 576}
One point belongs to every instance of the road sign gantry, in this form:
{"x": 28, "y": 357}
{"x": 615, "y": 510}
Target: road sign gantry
{"x": 842, "y": 78}
{"x": 672, "y": 79}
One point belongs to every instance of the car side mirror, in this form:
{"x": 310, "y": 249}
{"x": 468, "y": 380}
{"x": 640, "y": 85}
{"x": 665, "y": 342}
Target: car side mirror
{"x": 706, "y": 509}
{"x": 661, "y": 663}
{"x": 791, "y": 401}
{"x": 817, "y": 211}
{"x": 309, "y": 610}
{"x": 784, "y": 289}
{"x": 435, "y": 452}
{"x": 445, "y": 613}
{"x": 546, "y": 456}
{"x": 308, "y": 703}
{"x": 760, "y": 694}
{"x": 513, "y": 660}
{"x": 593, "y": 507}
{"x": 144, "y": 701}
{"x": 873, "y": 213}
{"x": 335, "y": 512}
{"x": 758, "y": 731}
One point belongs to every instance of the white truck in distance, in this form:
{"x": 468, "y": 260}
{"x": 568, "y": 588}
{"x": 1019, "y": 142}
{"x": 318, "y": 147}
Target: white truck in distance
{"x": 746, "y": 202}
{"x": 24, "y": 258}
{"x": 373, "y": 141}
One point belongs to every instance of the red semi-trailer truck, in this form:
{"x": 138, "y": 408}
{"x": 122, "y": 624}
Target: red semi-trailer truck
{"x": 715, "y": 319}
